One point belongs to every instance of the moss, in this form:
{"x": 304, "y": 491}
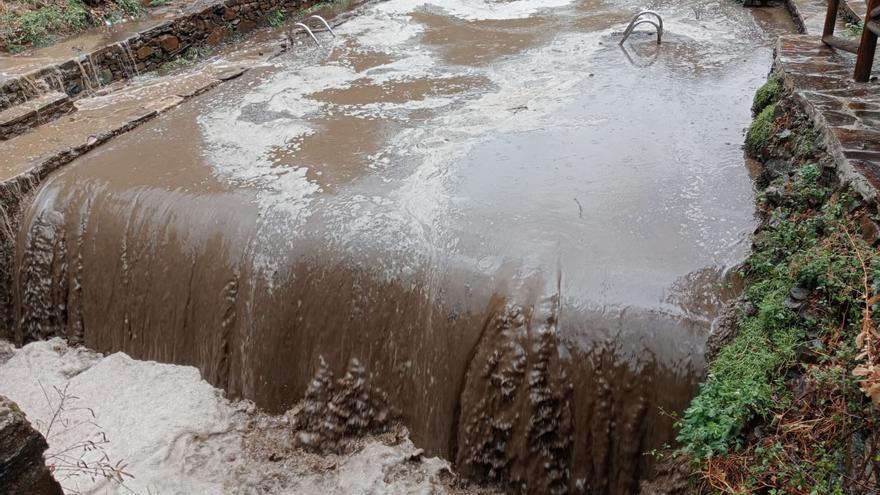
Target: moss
{"x": 760, "y": 130}
{"x": 766, "y": 94}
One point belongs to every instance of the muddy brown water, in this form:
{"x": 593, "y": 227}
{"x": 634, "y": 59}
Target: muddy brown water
{"x": 521, "y": 230}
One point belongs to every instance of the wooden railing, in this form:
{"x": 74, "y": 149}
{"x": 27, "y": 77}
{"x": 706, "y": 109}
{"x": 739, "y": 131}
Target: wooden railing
{"x": 864, "y": 48}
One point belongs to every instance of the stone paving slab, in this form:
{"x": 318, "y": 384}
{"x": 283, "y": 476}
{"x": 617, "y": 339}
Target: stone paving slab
{"x": 846, "y": 112}
{"x": 19, "y": 119}
{"x": 809, "y": 15}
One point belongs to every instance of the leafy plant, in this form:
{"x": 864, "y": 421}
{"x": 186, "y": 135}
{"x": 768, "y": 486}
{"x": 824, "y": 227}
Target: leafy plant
{"x": 854, "y": 29}
{"x": 276, "y": 17}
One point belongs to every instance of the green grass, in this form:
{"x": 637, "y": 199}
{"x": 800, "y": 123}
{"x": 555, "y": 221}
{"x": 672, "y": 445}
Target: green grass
{"x": 188, "y": 58}
{"x": 766, "y": 94}
{"x": 36, "y": 22}
{"x": 760, "y": 130}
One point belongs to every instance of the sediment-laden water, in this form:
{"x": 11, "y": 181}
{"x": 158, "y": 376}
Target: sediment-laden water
{"x": 518, "y": 229}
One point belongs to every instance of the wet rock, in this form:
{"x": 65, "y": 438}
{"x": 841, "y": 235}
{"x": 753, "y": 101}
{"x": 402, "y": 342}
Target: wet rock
{"x": 771, "y": 170}
{"x": 869, "y": 230}
{"x": 247, "y": 25}
{"x": 799, "y": 293}
{"x": 796, "y": 299}
{"x": 670, "y": 477}
{"x": 724, "y": 328}
{"x": 773, "y": 195}
{"x": 22, "y": 467}
{"x": 216, "y": 36}
{"x": 144, "y": 52}
{"x": 169, "y": 43}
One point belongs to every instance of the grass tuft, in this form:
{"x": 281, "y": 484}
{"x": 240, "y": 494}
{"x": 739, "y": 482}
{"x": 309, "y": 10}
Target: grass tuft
{"x": 760, "y": 130}
{"x": 767, "y": 94}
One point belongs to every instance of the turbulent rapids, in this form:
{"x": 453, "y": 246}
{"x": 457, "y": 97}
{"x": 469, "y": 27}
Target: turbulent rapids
{"x": 483, "y": 207}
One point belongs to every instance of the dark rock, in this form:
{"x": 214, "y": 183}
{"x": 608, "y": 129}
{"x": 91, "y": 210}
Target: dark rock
{"x": 22, "y": 467}
{"x": 799, "y": 293}
{"x": 870, "y": 231}
{"x": 669, "y": 477}
{"x": 246, "y": 26}
{"x": 773, "y": 195}
{"x": 771, "y": 170}
{"x": 216, "y": 36}
{"x": 793, "y": 305}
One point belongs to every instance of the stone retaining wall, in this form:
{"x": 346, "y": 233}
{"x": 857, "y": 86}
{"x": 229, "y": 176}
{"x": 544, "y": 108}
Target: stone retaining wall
{"x": 145, "y": 51}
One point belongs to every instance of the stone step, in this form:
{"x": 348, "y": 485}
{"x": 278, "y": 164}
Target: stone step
{"x": 21, "y": 118}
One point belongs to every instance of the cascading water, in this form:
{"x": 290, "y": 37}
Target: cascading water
{"x": 460, "y": 201}
{"x": 129, "y": 64}
{"x": 85, "y": 77}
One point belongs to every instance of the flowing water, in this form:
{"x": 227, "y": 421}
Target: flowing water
{"x": 520, "y": 230}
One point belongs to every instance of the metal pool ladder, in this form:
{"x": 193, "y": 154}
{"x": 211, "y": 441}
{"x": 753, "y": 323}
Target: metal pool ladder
{"x": 312, "y": 34}
{"x": 637, "y": 20}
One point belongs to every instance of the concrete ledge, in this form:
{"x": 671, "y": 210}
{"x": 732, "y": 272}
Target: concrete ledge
{"x": 846, "y": 113}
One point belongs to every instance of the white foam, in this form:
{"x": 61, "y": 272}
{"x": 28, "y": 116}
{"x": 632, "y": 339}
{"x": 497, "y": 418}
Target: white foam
{"x": 177, "y": 435}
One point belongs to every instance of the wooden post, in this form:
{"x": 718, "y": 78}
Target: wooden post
{"x": 867, "y": 47}
{"x": 830, "y": 19}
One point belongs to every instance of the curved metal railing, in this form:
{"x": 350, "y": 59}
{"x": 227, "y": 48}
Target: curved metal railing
{"x": 325, "y": 23}
{"x": 309, "y": 30}
{"x": 637, "y": 20}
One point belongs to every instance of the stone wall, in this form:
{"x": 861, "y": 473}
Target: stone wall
{"x": 145, "y": 51}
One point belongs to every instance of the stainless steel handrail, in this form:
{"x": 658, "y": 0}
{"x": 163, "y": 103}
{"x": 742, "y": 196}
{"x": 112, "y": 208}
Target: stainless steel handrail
{"x": 637, "y": 20}
{"x": 325, "y": 23}
{"x": 308, "y": 31}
